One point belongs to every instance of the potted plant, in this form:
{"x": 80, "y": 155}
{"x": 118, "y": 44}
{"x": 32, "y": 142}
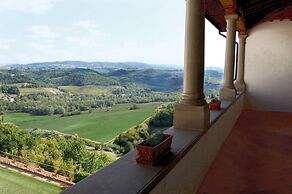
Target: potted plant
{"x": 154, "y": 148}
{"x": 215, "y": 103}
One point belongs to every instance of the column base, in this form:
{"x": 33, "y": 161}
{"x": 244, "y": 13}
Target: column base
{"x": 191, "y": 117}
{"x": 239, "y": 86}
{"x": 227, "y": 94}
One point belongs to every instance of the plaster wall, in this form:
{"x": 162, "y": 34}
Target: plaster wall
{"x": 268, "y": 67}
{"x": 188, "y": 174}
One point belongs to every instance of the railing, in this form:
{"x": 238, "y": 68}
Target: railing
{"x": 36, "y": 171}
{"x": 182, "y": 171}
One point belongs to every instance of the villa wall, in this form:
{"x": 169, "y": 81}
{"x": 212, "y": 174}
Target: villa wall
{"x": 268, "y": 69}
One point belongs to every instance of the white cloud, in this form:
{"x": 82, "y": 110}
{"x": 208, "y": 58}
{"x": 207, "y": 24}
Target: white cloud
{"x": 45, "y": 45}
{"x": 33, "y": 6}
{"x": 42, "y": 31}
{"x": 84, "y": 33}
{"x": 86, "y": 26}
{"x": 82, "y": 41}
{"x": 7, "y": 43}
{"x": 42, "y": 37}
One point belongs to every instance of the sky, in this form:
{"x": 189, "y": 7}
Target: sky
{"x": 149, "y": 31}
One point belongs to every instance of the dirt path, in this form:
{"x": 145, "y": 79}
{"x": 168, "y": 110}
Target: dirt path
{"x": 53, "y": 90}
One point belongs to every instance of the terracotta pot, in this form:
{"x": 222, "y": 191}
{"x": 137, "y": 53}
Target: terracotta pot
{"x": 151, "y": 155}
{"x": 215, "y": 105}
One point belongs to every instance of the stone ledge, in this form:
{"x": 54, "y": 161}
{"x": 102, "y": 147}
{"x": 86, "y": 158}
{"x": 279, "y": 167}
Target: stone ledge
{"x": 126, "y": 176}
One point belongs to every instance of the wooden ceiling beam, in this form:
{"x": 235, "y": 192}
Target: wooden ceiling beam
{"x": 229, "y": 6}
{"x": 251, "y": 12}
{"x": 241, "y": 27}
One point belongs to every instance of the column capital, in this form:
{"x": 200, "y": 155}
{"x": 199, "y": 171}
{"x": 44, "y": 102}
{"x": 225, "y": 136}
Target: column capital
{"x": 242, "y": 36}
{"x": 242, "y": 39}
{"x": 231, "y": 17}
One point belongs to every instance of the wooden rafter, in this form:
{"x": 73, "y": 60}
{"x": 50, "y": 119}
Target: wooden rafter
{"x": 251, "y": 12}
{"x": 241, "y": 27}
{"x": 229, "y": 6}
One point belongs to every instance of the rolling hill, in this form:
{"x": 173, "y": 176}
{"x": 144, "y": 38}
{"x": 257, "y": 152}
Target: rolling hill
{"x": 92, "y": 65}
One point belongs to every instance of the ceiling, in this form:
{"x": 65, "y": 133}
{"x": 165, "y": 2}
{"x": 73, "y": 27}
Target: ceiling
{"x": 253, "y": 12}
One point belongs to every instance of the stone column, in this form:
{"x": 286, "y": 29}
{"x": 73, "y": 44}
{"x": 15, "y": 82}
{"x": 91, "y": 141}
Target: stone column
{"x": 228, "y": 92}
{"x": 193, "y": 112}
{"x": 239, "y": 83}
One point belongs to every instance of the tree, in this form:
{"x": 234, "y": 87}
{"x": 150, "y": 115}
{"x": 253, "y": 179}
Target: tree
{"x": 59, "y": 110}
{"x": 65, "y": 155}
{"x": 9, "y": 90}
{"x": 134, "y": 107}
{"x": 129, "y": 146}
{"x": 163, "y": 116}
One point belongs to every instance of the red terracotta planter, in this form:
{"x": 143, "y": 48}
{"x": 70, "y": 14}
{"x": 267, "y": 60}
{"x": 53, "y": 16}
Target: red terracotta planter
{"x": 215, "y": 105}
{"x": 151, "y": 155}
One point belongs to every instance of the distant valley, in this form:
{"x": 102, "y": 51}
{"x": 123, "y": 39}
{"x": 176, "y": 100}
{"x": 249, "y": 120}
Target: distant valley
{"x": 88, "y": 113}
{"x": 93, "y": 65}
{"x": 79, "y": 73}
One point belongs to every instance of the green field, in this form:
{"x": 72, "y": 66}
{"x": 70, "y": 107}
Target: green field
{"x": 97, "y": 90}
{"x": 100, "y": 125}
{"x": 26, "y": 91}
{"x": 12, "y": 182}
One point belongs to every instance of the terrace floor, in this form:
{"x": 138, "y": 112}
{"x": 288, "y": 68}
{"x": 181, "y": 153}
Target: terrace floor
{"x": 256, "y": 157}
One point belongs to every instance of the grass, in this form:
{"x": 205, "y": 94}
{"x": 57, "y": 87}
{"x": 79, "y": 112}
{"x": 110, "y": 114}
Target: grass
{"x": 13, "y": 182}
{"x": 100, "y": 125}
{"x": 87, "y": 89}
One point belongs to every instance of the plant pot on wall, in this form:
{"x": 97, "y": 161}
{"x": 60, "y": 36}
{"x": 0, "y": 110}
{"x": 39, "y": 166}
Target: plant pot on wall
{"x": 149, "y": 153}
{"x": 215, "y": 105}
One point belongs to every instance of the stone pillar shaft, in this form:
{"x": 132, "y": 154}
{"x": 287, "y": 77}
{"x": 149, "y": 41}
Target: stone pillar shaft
{"x": 193, "y": 93}
{"x": 192, "y": 112}
{"x": 239, "y": 84}
{"x": 228, "y": 91}
{"x": 230, "y": 51}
